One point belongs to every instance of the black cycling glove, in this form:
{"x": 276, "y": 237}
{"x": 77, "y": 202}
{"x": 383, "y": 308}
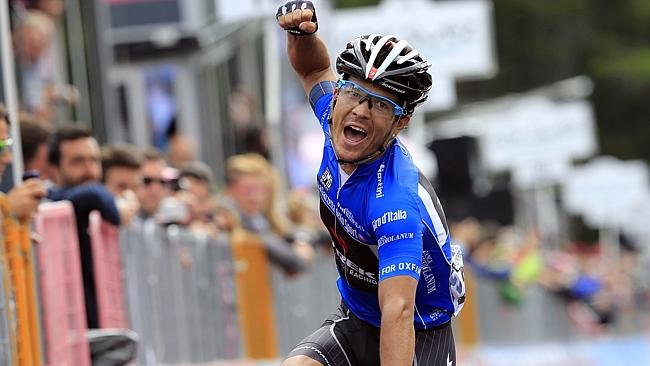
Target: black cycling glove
{"x": 295, "y": 5}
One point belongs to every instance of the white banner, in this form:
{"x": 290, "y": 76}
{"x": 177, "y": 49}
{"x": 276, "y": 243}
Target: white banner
{"x": 606, "y": 190}
{"x": 536, "y": 131}
{"x": 232, "y": 11}
{"x": 455, "y": 36}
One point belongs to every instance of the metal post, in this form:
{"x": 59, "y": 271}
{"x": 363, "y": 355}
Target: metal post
{"x": 9, "y": 84}
{"x": 272, "y": 93}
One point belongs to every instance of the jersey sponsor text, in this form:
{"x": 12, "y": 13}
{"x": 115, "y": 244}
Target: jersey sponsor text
{"x": 326, "y": 199}
{"x": 427, "y": 272}
{"x": 379, "y": 192}
{"x": 353, "y": 269}
{"x": 390, "y": 238}
{"x": 388, "y": 217}
{"x": 401, "y": 266}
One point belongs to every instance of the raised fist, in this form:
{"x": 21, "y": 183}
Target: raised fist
{"x": 298, "y": 17}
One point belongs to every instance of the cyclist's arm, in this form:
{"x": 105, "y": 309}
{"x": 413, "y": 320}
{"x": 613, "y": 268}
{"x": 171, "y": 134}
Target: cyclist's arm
{"x": 307, "y": 54}
{"x": 309, "y": 58}
{"x": 397, "y": 335}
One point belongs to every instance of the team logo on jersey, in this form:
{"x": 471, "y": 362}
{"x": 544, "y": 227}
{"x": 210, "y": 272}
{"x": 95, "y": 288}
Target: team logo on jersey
{"x": 326, "y": 179}
{"x": 379, "y": 192}
{"x": 388, "y": 217}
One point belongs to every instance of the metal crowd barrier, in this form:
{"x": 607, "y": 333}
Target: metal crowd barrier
{"x": 107, "y": 265}
{"x": 5, "y": 335}
{"x": 178, "y": 290}
{"x": 61, "y": 287}
{"x": 540, "y": 316}
{"x": 180, "y": 295}
{"x": 302, "y": 302}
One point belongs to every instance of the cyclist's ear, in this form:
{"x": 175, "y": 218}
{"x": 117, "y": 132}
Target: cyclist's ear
{"x": 335, "y": 96}
{"x": 402, "y": 123}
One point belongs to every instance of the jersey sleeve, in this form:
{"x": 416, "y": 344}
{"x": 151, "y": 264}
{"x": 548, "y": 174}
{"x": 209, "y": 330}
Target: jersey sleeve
{"x": 397, "y": 226}
{"x": 320, "y": 99}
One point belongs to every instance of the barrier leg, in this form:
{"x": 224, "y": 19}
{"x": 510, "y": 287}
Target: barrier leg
{"x": 7, "y": 295}
{"x": 468, "y": 319}
{"x": 32, "y": 297}
{"x": 254, "y": 296}
{"x": 19, "y": 278}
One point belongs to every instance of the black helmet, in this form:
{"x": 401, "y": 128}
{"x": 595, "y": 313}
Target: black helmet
{"x": 390, "y": 63}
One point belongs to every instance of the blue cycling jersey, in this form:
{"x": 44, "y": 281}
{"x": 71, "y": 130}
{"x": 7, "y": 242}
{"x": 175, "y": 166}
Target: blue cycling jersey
{"x": 386, "y": 221}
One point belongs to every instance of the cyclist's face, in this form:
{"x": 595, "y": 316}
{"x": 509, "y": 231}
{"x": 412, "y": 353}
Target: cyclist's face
{"x": 357, "y": 129}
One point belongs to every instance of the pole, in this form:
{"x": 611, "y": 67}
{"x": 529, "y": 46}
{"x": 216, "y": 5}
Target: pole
{"x": 273, "y": 94}
{"x": 9, "y": 85}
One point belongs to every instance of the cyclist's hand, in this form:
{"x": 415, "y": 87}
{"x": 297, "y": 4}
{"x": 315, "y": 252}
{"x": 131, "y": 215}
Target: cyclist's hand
{"x": 298, "y": 17}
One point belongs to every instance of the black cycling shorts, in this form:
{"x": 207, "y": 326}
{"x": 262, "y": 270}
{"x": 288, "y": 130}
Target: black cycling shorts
{"x": 345, "y": 340}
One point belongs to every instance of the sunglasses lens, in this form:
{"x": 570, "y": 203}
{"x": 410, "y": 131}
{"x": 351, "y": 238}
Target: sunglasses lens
{"x": 150, "y": 180}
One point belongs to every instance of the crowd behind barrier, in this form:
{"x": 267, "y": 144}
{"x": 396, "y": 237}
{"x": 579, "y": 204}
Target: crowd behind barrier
{"x": 177, "y": 290}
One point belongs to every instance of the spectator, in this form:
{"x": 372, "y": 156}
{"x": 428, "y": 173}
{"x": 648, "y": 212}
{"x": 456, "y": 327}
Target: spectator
{"x": 181, "y": 150}
{"x": 251, "y": 193}
{"x": 75, "y": 156}
{"x": 302, "y": 209}
{"x": 34, "y": 136}
{"x": 154, "y": 186}
{"x": 197, "y": 179}
{"x": 21, "y": 202}
{"x": 53, "y": 8}
{"x": 32, "y": 39}
{"x": 121, "y": 168}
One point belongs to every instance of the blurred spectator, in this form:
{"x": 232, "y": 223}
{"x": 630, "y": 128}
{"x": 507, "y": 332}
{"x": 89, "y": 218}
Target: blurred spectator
{"x": 161, "y": 102}
{"x": 34, "y": 136}
{"x": 197, "y": 179}
{"x": 33, "y": 37}
{"x": 53, "y": 8}
{"x": 180, "y": 207}
{"x": 154, "y": 186}
{"x": 594, "y": 284}
{"x": 302, "y": 209}
{"x": 254, "y": 138}
{"x": 75, "y": 156}
{"x": 251, "y": 193}
{"x": 121, "y": 168}
{"x": 250, "y": 131}
{"x": 181, "y": 150}
{"x": 40, "y": 60}
{"x": 21, "y": 202}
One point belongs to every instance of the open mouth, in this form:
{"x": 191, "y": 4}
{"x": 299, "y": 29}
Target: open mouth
{"x": 354, "y": 134}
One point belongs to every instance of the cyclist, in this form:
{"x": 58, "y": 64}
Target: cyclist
{"x": 399, "y": 277}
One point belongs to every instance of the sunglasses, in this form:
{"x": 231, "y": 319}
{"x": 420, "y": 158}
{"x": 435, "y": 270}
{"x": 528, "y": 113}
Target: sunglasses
{"x": 6, "y": 144}
{"x": 352, "y": 93}
{"x": 150, "y": 180}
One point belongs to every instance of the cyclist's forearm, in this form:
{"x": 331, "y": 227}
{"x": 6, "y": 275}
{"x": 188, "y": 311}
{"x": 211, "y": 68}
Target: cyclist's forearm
{"x": 308, "y": 55}
{"x": 397, "y": 336}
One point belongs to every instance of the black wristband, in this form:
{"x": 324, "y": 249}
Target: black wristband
{"x": 290, "y": 6}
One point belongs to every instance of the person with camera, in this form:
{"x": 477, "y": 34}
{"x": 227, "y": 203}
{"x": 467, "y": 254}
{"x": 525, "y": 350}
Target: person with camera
{"x": 21, "y": 202}
{"x": 400, "y": 278}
